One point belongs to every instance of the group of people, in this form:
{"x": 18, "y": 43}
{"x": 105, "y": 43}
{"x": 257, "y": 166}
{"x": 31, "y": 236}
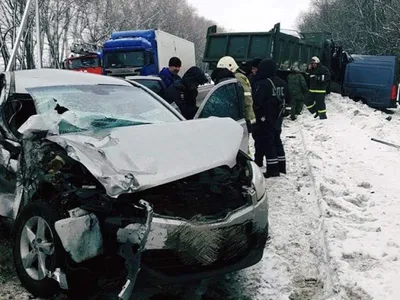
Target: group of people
{"x": 271, "y": 95}
{"x": 182, "y": 91}
{"x": 266, "y": 97}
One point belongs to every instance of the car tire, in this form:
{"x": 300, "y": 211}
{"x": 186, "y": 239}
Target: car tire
{"x": 37, "y": 249}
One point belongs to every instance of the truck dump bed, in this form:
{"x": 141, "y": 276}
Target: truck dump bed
{"x": 286, "y": 49}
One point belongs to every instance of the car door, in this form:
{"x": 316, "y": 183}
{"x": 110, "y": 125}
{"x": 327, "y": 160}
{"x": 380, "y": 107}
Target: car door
{"x": 9, "y": 152}
{"x": 226, "y": 100}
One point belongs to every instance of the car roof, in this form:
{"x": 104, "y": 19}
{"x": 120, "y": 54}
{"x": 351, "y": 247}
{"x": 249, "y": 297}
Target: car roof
{"x": 25, "y": 79}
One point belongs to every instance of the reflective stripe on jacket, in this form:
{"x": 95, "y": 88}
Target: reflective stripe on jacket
{"x": 248, "y": 99}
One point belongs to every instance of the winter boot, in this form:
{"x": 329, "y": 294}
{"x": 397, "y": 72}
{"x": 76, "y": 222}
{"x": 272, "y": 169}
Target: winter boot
{"x": 271, "y": 174}
{"x": 316, "y": 115}
{"x": 293, "y": 118}
{"x": 282, "y": 167}
{"x": 323, "y": 116}
{"x": 272, "y": 171}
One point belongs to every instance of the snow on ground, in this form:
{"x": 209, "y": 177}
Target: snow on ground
{"x": 334, "y": 218}
{"x": 359, "y": 192}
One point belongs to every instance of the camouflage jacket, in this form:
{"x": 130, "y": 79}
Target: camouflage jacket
{"x": 297, "y": 85}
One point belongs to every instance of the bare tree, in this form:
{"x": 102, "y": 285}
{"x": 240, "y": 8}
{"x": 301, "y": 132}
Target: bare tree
{"x": 64, "y": 22}
{"x": 361, "y": 26}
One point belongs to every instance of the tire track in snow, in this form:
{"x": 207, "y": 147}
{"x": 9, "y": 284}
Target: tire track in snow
{"x": 331, "y": 283}
{"x": 295, "y": 261}
{"x": 357, "y": 189}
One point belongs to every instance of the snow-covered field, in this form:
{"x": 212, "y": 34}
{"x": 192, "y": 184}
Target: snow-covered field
{"x": 334, "y": 218}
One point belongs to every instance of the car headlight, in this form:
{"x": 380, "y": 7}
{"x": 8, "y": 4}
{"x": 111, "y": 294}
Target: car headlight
{"x": 258, "y": 181}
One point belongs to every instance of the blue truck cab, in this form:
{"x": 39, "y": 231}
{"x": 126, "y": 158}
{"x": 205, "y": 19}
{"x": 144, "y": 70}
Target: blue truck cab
{"x": 145, "y": 52}
{"x": 130, "y": 53}
{"x": 373, "y": 80}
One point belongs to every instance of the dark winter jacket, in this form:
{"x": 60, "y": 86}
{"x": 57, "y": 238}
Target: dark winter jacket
{"x": 221, "y": 74}
{"x": 319, "y": 79}
{"x": 267, "y": 106}
{"x": 297, "y": 85}
{"x": 168, "y": 77}
{"x": 183, "y": 92}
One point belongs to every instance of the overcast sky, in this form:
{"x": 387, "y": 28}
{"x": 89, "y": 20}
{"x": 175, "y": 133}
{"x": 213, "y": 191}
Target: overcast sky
{"x": 251, "y": 15}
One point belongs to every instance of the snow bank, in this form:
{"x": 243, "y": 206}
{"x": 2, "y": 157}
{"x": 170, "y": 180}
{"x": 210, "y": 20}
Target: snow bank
{"x": 360, "y": 192}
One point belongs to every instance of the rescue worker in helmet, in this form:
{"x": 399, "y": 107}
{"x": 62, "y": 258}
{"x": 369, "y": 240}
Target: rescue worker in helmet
{"x": 320, "y": 77}
{"x": 229, "y": 63}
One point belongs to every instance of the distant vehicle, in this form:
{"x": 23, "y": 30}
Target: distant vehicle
{"x": 84, "y": 59}
{"x": 372, "y": 80}
{"x": 145, "y": 52}
{"x": 287, "y": 50}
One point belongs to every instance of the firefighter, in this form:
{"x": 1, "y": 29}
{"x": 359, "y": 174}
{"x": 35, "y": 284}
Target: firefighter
{"x": 230, "y": 64}
{"x": 270, "y": 94}
{"x": 170, "y": 75}
{"x": 298, "y": 91}
{"x": 183, "y": 92}
{"x": 319, "y": 82}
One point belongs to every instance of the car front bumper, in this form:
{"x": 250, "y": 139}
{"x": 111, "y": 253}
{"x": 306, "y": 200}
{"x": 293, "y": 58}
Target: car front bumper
{"x": 164, "y": 265}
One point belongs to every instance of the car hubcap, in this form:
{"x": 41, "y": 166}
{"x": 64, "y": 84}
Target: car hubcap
{"x": 37, "y": 247}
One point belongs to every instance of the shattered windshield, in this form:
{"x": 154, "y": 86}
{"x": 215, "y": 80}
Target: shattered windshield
{"x": 88, "y": 107}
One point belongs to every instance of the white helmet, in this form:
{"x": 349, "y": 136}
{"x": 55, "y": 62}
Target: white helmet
{"x": 229, "y": 63}
{"x": 315, "y": 59}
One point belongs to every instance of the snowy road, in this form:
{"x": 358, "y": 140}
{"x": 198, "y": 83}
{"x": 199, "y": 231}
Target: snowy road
{"x": 334, "y": 219}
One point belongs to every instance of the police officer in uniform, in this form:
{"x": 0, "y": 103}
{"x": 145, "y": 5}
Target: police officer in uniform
{"x": 270, "y": 96}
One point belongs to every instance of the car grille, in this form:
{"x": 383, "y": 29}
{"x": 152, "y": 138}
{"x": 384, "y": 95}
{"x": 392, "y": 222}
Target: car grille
{"x": 176, "y": 262}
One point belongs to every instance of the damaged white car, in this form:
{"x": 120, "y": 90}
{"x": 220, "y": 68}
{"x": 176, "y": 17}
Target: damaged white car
{"x": 100, "y": 176}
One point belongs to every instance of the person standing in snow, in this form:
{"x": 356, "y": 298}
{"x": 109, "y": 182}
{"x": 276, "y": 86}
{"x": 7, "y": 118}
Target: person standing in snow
{"x": 183, "y": 92}
{"x": 229, "y": 63}
{"x": 170, "y": 75}
{"x": 270, "y": 93}
{"x": 298, "y": 91}
{"x": 319, "y": 82}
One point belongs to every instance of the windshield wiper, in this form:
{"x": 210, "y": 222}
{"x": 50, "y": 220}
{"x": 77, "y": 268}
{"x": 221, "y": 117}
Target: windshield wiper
{"x": 113, "y": 122}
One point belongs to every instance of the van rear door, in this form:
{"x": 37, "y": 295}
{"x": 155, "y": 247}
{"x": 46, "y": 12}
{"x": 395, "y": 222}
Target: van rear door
{"x": 372, "y": 79}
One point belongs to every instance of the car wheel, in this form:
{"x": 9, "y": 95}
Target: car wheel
{"x": 37, "y": 249}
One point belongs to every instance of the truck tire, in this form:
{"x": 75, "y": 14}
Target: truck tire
{"x": 37, "y": 249}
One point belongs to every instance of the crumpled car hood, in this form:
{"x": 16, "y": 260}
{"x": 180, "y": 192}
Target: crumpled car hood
{"x": 129, "y": 159}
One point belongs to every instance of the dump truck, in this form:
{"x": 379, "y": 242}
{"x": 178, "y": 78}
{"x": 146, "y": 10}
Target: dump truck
{"x": 286, "y": 49}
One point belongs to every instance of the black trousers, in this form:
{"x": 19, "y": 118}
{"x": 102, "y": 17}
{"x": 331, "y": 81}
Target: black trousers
{"x": 316, "y": 103}
{"x": 268, "y": 144}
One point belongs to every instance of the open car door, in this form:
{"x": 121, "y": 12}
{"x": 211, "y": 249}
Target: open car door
{"x": 226, "y": 100}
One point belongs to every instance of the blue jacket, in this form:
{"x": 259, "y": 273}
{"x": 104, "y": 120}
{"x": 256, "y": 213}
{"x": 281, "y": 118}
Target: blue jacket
{"x": 168, "y": 77}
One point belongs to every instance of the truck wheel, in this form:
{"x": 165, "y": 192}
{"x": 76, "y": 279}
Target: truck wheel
{"x": 37, "y": 249}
